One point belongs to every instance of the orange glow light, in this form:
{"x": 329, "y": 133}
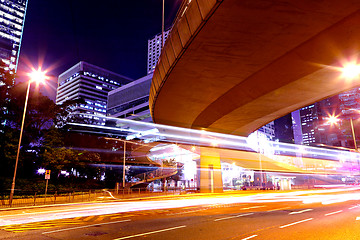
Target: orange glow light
{"x": 350, "y": 70}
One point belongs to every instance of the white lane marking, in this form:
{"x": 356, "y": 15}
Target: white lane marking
{"x": 249, "y": 237}
{"x": 290, "y": 224}
{"x": 277, "y": 209}
{"x": 333, "y": 213}
{"x": 252, "y": 207}
{"x": 93, "y": 225}
{"x": 302, "y": 211}
{"x": 148, "y": 233}
{"x": 241, "y": 215}
{"x": 353, "y": 207}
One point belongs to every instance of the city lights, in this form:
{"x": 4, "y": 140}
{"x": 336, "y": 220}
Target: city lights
{"x": 41, "y": 171}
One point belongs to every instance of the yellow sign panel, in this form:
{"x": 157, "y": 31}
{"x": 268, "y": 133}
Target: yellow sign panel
{"x": 47, "y": 174}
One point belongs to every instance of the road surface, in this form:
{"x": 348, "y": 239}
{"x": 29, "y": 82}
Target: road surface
{"x": 321, "y": 214}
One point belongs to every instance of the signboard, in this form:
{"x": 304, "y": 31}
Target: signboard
{"x": 47, "y": 174}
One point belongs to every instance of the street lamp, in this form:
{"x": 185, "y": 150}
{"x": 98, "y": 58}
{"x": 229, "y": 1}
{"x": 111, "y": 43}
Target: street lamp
{"x": 334, "y": 120}
{"x": 350, "y": 71}
{"x": 36, "y": 76}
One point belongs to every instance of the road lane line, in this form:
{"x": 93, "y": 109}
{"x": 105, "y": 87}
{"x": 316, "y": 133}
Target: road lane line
{"x": 290, "y": 224}
{"x": 277, "y": 209}
{"x": 88, "y": 218}
{"x": 241, "y": 215}
{"x": 333, "y": 213}
{"x": 353, "y": 207}
{"x": 249, "y": 237}
{"x": 302, "y": 211}
{"x": 148, "y": 233}
{"x": 99, "y": 224}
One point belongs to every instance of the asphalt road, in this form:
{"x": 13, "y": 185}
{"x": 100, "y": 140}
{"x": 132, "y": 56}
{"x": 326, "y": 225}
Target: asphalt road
{"x": 293, "y": 215}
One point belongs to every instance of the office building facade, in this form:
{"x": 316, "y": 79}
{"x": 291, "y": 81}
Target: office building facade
{"x": 268, "y": 130}
{"x": 131, "y": 101}
{"x": 92, "y": 84}
{"x": 154, "y": 50}
{"x": 311, "y": 124}
{"x": 12, "y": 19}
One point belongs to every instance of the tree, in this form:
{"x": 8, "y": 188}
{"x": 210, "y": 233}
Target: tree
{"x": 55, "y": 155}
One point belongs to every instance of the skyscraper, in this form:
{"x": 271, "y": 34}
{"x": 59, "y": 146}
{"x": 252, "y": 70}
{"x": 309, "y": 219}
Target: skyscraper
{"x": 131, "y": 101}
{"x": 92, "y": 84}
{"x": 154, "y": 50}
{"x": 12, "y": 18}
{"x": 311, "y": 126}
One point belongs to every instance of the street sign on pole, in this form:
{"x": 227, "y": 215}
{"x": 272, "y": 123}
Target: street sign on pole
{"x": 47, "y": 174}
{"x": 47, "y": 177}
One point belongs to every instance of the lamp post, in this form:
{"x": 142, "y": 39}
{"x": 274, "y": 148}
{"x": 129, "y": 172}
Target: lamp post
{"x": 124, "y": 160}
{"x": 334, "y": 120}
{"x": 353, "y": 133}
{"x": 37, "y": 76}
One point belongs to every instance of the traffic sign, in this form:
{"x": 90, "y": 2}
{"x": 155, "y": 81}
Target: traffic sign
{"x": 47, "y": 174}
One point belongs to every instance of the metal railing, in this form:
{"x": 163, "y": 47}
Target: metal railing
{"x": 36, "y": 199}
{"x": 159, "y": 173}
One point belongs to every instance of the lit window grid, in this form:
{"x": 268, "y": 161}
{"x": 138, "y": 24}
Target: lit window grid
{"x": 154, "y": 50}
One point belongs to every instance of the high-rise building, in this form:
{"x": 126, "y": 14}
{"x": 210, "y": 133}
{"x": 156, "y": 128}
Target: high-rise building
{"x": 284, "y": 129}
{"x": 311, "y": 126}
{"x": 131, "y": 101}
{"x": 12, "y": 18}
{"x": 268, "y": 130}
{"x": 349, "y": 108}
{"x": 92, "y": 84}
{"x": 154, "y": 50}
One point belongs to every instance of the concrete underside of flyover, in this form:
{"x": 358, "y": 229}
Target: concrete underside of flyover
{"x": 250, "y": 62}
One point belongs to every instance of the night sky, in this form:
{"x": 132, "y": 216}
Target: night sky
{"x": 111, "y": 34}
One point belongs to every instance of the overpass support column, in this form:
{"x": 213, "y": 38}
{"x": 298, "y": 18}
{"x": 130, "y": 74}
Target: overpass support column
{"x": 210, "y": 171}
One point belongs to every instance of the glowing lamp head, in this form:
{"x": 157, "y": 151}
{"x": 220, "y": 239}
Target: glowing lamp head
{"x": 333, "y": 119}
{"x": 37, "y": 76}
{"x": 351, "y": 71}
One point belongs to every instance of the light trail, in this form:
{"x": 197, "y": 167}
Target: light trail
{"x": 154, "y": 132}
{"x": 278, "y": 209}
{"x": 96, "y": 209}
{"x": 252, "y": 207}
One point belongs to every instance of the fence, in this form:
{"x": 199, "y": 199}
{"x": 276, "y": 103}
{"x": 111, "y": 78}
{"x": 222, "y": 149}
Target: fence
{"x": 35, "y": 199}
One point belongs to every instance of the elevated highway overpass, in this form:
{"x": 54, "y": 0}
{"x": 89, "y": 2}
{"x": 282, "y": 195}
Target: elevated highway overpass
{"x": 232, "y": 66}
